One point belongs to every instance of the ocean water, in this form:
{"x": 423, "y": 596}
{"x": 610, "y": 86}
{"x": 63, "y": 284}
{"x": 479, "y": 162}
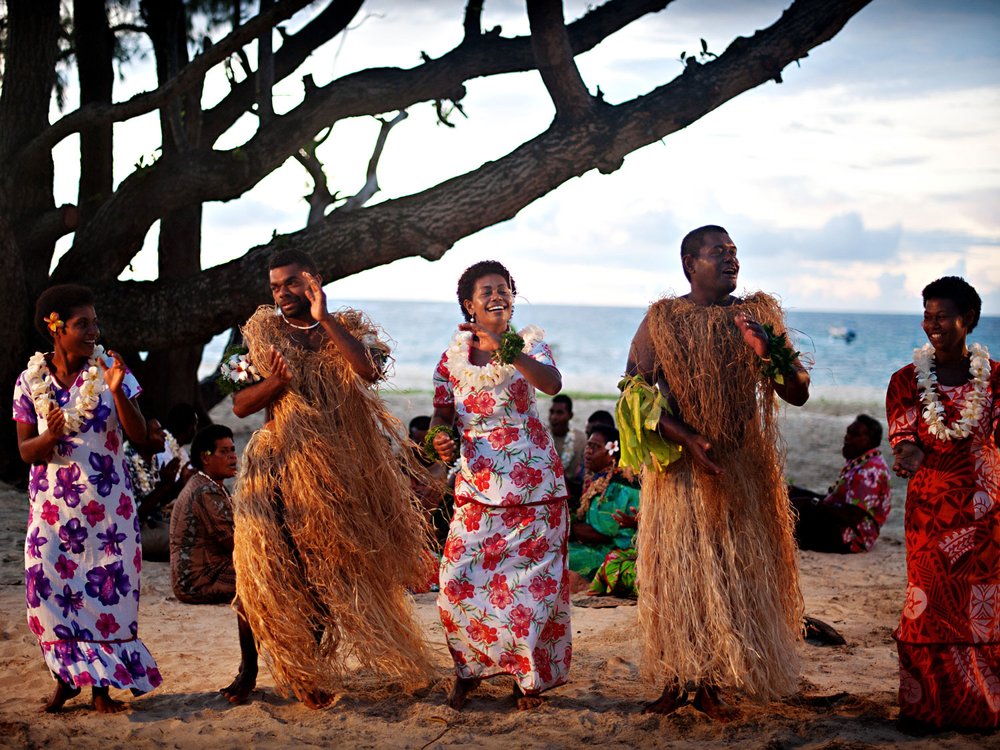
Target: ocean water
{"x": 590, "y": 344}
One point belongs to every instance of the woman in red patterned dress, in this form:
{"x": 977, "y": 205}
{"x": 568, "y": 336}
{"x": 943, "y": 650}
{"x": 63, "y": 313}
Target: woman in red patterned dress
{"x": 944, "y": 417}
{"x": 504, "y": 598}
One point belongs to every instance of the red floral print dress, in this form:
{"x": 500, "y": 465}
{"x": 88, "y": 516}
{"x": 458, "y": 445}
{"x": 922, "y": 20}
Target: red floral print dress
{"x": 949, "y": 632}
{"x": 504, "y": 598}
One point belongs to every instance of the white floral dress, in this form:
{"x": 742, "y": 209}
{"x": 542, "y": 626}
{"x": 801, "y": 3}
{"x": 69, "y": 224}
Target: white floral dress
{"x": 504, "y": 598}
{"x": 82, "y": 555}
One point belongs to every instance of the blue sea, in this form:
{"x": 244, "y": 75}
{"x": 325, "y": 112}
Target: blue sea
{"x": 591, "y": 344}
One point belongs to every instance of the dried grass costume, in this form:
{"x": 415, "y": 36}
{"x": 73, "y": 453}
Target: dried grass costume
{"x": 328, "y": 532}
{"x": 719, "y": 600}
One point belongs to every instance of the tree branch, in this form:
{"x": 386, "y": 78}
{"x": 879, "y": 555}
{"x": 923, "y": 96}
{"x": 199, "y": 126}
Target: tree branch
{"x": 371, "y": 181}
{"x": 554, "y": 56}
{"x": 116, "y": 233}
{"x": 320, "y": 197}
{"x": 188, "y": 78}
{"x": 472, "y": 23}
{"x": 428, "y": 224}
{"x": 293, "y": 52}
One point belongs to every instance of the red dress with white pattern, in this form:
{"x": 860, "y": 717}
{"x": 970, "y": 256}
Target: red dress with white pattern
{"x": 949, "y": 633}
{"x": 504, "y": 598}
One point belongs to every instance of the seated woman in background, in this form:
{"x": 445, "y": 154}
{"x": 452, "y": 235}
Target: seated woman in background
{"x": 605, "y": 520}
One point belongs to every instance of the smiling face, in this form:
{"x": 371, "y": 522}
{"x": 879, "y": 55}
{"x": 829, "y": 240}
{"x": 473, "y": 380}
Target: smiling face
{"x": 714, "y": 271}
{"x": 492, "y": 302}
{"x": 945, "y": 326}
{"x": 221, "y": 462}
{"x": 288, "y": 290}
{"x": 78, "y": 337}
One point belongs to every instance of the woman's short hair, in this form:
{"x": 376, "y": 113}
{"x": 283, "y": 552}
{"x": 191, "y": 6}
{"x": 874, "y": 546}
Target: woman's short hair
{"x": 62, "y": 300}
{"x": 204, "y": 442}
{"x": 959, "y": 291}
{"x": 606, "y": 431}
{"x": 472, "y": 274}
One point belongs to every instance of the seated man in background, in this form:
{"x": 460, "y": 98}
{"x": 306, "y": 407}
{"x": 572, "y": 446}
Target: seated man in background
{"x": 569, "y": 444}
{"x": 850, "y": 515}
{"x": 154, "y": 488}
{"x": 201, "y": 524}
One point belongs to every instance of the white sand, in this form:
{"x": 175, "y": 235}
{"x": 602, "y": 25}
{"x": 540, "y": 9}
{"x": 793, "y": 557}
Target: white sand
{"x": 846, "y": 698}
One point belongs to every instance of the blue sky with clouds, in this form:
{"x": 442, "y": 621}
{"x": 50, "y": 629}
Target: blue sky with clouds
{"x": 871, "y": 170}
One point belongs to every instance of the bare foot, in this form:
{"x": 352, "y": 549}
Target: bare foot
{"x": 459, "y": 692}
{"x": 105, "y": 704}
{"x": 673, "y": 697}
{"x": 238, "y": 691}
{"x": 526, "y": 702}
{"x": 62, "y": 693}
{"x": 318, "y": 699}
{"x": 710, "y": 702}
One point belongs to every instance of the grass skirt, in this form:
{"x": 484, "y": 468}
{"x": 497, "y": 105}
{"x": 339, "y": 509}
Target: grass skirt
{"x": 719, "y": 601}
{"x": 328, "y": 531}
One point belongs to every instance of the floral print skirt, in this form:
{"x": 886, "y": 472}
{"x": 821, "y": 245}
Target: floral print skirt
{"x": 504, "y": 598}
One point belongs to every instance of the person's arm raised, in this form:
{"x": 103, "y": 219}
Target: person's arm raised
{"x": 795, "y": 388}
{"x": 352, "y": 350}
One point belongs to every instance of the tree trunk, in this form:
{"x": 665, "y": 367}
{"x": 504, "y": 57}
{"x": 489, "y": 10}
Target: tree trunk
{"x": 25, "y": 196}
{"x": 170, "y": 376}
{"x": 94, "y": 45}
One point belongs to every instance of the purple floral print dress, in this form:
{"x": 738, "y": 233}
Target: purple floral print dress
{"x": 83, "y": 554}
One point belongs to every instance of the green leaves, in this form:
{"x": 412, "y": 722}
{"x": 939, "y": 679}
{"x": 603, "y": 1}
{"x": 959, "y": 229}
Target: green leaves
{"x": 638, "y": 415}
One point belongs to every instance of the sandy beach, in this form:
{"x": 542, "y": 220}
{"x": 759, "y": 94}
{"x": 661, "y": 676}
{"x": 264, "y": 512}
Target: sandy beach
{"x": 846, "y": 698}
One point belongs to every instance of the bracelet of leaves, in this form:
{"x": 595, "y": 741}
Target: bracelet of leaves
{"x": 429, "y": 450}
{"x": 510, "y": 346}
{"x": 781, "y": 357}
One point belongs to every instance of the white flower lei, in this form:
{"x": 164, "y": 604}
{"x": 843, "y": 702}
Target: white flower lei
{"x": 146, "y": 474}
{"x": 88, "y": 395}
{"x": 492, "y": 373}
{"x": 973, "y": 403}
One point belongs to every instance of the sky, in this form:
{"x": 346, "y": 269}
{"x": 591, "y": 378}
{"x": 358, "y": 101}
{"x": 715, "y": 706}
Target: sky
{"x": 873, "y": 169}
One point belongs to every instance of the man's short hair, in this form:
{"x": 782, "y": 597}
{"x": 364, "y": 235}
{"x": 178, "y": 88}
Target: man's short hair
{"x": 693, "y": 241}
{"x": 874, "y": 428}
{"x": 959, "y": 291}
{"x": 421, "y": 422}
{"x": 601, "y": 417}
{"x": 61, "y": 299}
{"x": 291, "y": 257}
{"x": 204, "y": 442}
{"x": 562, "y": 398}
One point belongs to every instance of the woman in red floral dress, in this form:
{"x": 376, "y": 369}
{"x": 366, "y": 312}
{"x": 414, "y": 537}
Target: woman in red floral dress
{"x": 944, "y": 417}
{"x": 504, "y": 599}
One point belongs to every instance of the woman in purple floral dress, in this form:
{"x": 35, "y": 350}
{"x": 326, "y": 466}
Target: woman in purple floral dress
{"x": 504, "y": 599}
{"x": 83, "y": 554}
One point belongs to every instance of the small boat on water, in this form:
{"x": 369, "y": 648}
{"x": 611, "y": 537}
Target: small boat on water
{"x": 842, "y": 332}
